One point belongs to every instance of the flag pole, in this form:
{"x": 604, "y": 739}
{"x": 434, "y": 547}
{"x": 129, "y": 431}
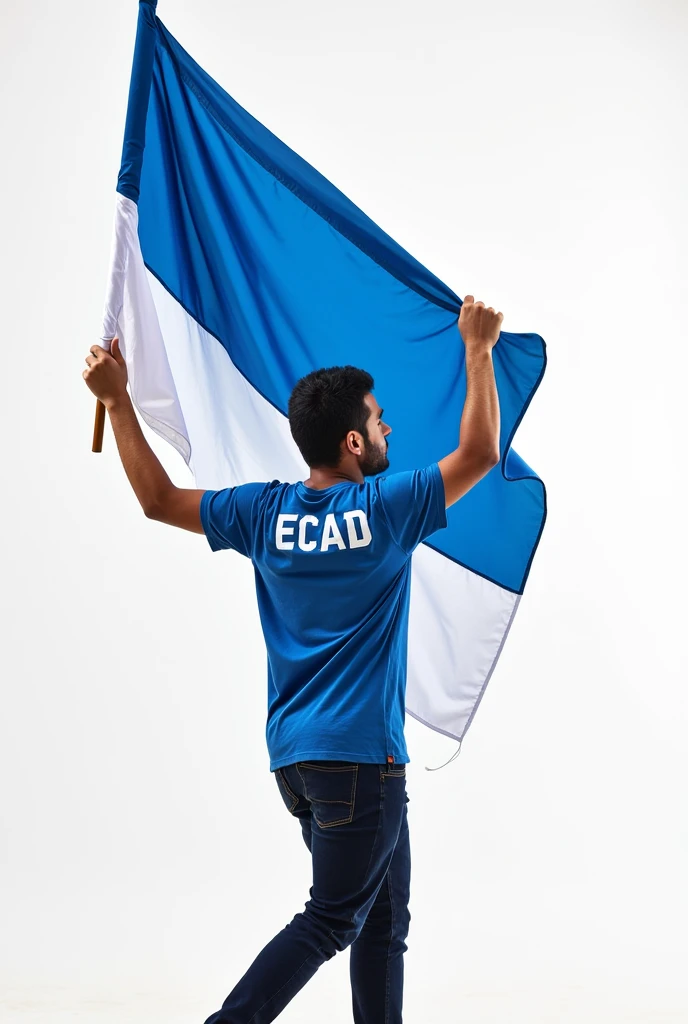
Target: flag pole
{"x": 134, "y": 138}
{"x": 98, "y": 427}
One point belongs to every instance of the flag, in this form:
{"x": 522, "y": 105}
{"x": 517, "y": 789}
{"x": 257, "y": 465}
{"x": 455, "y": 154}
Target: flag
{"x": 236, "y": 269}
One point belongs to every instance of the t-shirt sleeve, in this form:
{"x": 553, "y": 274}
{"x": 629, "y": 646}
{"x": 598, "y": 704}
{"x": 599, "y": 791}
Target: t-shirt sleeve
{"x": 414, "y": 504}
{"x": 229, "y": 517}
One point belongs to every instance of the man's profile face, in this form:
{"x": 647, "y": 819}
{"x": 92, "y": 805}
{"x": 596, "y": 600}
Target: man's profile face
{"x": 375, "y": 449}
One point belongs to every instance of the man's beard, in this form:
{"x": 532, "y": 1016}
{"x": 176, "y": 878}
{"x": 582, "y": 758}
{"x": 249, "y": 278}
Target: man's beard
{"x": 375, "y": 459}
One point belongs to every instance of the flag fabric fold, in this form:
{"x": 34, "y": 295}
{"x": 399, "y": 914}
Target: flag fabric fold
{"x": 236, "y": 269}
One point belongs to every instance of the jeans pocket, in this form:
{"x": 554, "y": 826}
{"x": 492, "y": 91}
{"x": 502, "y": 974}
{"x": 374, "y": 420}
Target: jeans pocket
{"x": 394, "y": 771}
{"x": 290, "y": 798}
{"x": 330, "y": 788}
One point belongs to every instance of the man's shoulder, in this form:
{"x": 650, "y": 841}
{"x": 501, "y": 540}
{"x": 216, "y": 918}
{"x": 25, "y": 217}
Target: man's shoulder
{"x": 247, "y": 496}
{"x": 406, "y": 477}
{"x": 259, "y": 487}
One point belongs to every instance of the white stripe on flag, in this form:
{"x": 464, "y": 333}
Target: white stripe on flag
{"x": 187, "y": 389}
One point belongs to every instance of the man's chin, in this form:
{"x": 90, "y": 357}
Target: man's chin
{"x": 374, "y": 470}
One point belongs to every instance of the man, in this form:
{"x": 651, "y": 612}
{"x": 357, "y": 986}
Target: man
{"x": 332, "y": 556}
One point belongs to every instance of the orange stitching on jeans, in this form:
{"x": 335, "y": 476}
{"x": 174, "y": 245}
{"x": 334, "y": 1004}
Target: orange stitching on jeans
{"x": 354, "y": 773}
{"x": 289, "y": 791}
{"x": 346, "y": 803}
{"x": 389, "y": 947}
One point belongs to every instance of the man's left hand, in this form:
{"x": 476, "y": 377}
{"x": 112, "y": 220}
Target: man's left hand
{"x": 106, "y": 375}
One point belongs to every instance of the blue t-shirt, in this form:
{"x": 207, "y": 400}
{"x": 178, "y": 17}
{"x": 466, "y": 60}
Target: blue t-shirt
{"x": 333, "y": 577}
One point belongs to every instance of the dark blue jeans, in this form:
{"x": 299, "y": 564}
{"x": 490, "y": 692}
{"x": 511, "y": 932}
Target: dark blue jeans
{"x": 355, "y": 825}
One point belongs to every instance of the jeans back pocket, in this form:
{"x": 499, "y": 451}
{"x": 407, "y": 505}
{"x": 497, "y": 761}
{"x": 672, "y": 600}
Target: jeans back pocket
{"x": 330, "y": 788}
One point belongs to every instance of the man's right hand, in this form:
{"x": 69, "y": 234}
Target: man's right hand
{"x": 479, "y": 326}
{"x": 478, "y": 451}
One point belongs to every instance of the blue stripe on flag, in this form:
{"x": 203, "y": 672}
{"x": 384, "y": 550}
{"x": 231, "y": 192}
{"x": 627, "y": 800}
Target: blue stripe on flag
{"x": 288, "y": 275}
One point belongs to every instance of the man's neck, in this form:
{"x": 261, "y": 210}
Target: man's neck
{"x": 327, "y": 477}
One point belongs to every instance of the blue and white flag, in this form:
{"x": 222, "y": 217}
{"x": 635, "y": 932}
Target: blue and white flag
{"x": 237, "y": 268}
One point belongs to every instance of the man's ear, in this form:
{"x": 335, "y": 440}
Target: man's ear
{"x": 353, "y": 442}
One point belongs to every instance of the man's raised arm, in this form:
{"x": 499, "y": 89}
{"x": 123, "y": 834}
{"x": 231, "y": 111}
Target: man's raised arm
{"x": 160, "y": 499}
{"x": 478, "y": 449}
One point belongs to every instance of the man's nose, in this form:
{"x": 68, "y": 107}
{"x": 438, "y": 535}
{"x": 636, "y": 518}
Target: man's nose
{"x": 388, "y": 430}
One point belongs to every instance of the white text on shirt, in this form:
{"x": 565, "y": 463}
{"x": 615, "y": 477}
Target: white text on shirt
{"x": 292, "y": 529}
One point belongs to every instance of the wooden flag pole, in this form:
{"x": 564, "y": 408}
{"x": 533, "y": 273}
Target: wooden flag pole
{"x": 98, "y": 427}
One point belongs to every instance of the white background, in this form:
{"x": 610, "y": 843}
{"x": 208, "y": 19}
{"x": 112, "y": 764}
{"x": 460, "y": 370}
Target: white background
{"x": 535, "y": 155}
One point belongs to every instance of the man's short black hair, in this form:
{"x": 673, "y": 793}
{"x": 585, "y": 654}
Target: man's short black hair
{"x": 323, "y": 407}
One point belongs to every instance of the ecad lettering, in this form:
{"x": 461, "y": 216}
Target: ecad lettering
{"x": 303, "y": 531}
